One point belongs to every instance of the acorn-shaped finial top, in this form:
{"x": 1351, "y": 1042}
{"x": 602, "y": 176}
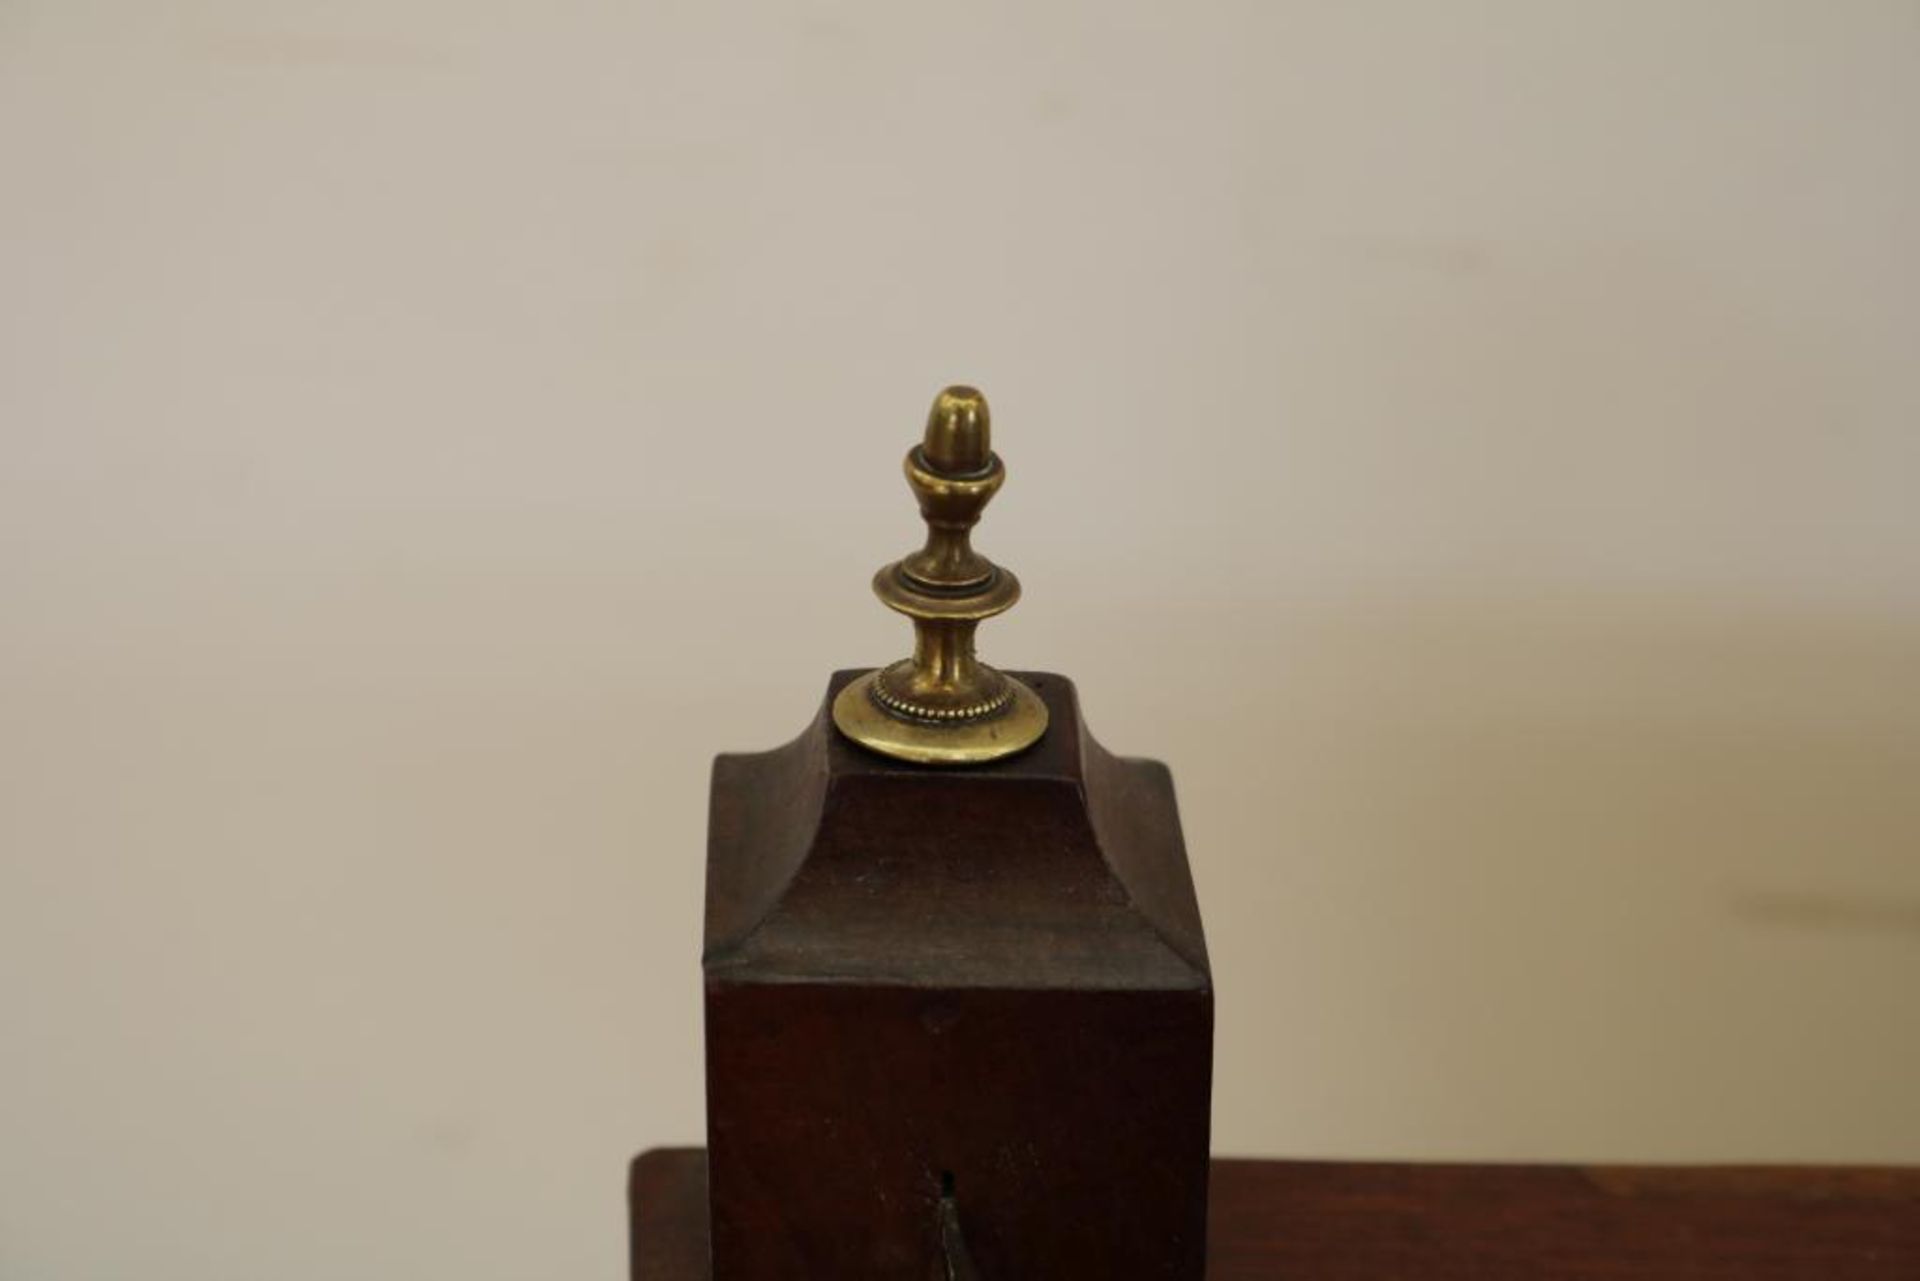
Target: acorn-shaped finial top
{"x": 942, "y": 706}
{"x": 959, "y": 435}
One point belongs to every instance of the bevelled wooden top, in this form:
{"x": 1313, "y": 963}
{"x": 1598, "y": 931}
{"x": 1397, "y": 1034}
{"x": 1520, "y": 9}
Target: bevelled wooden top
{"x": 1063, "y": 867}
{"x": 1331, "y": 1221}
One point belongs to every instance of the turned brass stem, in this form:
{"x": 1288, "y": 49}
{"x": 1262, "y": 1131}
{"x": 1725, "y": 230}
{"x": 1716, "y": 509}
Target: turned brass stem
{"x": 943, "y": 654}
{"x": 942, "y": 705}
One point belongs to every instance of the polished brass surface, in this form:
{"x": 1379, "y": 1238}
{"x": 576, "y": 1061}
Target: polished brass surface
{"x": 943, "y": 706}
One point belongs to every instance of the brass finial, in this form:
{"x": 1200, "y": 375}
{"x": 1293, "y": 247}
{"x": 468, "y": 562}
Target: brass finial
{"x": 943, "y": 706}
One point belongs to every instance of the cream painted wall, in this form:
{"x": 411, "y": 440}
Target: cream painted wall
{"x": 1476, "y": 445}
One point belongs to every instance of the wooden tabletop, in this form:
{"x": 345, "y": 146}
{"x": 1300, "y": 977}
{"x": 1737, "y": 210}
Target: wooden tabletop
{"x": 1336, "y": 1221}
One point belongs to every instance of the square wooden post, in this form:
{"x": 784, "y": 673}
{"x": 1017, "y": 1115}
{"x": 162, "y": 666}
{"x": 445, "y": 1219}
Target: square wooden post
{"x": 955, "y": 1018}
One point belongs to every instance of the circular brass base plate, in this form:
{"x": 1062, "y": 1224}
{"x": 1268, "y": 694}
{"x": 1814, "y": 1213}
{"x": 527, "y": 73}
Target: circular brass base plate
{"x": 1013, "y": 728}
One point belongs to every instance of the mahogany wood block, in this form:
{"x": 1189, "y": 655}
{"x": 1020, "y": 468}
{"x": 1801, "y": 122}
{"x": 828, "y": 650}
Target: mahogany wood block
{"x": 954, "y": 1001}
{"x": 1322, "y": 1221}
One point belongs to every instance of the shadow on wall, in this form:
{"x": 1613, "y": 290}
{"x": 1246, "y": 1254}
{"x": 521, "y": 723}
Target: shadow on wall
{"x": 1558, "y": 878}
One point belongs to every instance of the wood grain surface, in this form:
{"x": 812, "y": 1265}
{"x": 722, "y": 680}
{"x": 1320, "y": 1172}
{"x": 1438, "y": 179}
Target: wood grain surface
{"x": 1335, "y": 1221}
